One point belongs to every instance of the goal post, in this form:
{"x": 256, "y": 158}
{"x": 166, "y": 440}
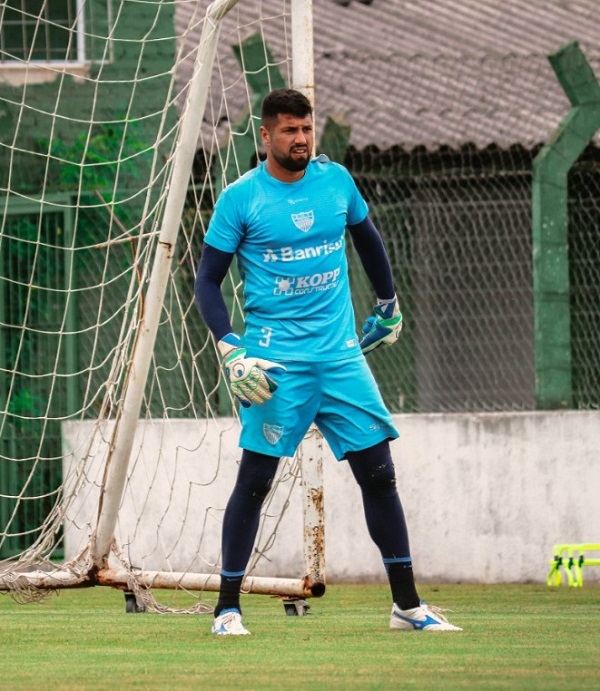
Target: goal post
{"x": 118, "y": 459}
{"x": 153, "y": 378}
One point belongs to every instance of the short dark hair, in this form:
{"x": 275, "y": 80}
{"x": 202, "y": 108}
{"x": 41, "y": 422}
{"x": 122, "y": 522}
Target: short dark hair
{"x": 287, "y": 102}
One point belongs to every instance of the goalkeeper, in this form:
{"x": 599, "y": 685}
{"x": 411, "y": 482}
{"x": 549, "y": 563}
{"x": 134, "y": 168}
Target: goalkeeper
{"x": 299, "y": 360}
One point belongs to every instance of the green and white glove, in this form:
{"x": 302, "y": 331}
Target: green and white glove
{"x": 382, "y": 327}
{"x": 248, "y": 376}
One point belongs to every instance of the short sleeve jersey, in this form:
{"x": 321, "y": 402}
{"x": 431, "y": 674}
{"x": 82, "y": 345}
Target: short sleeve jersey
{"x": 290, "y": 243}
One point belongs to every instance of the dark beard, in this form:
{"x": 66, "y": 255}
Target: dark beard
{"x": 293, "y": 165}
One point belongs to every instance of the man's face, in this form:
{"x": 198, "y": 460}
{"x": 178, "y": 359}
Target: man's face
{"x": 289, "y": 142}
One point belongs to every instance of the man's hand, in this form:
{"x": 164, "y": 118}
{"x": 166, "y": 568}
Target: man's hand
{"x": 382, "y": 327}
{"x": 248, "y": 376}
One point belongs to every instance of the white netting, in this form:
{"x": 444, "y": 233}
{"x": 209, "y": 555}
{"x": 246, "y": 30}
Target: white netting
{"x": 85, "y": 179}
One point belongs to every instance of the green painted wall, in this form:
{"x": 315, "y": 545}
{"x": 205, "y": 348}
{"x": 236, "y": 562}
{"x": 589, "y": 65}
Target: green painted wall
{"x": 129, "y": 80}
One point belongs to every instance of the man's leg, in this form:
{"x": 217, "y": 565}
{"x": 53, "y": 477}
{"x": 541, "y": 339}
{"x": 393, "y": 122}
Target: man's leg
{"x": 240, "y": 524}
{"x": 374, "y": 471}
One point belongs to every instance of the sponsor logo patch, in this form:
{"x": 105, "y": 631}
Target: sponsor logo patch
{"x": 298, "y": 254}
{"x": 300, "y": 285}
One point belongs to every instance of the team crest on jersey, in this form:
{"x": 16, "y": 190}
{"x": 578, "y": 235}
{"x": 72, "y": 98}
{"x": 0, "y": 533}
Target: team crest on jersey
{"x": 304, "y": 220}
{"x": 272, "y": 433}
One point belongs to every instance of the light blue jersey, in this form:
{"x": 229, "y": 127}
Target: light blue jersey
{"x": 291, "y": 251}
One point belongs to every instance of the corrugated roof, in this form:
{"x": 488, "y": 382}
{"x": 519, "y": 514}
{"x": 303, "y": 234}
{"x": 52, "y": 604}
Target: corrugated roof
{"x": 425, "y": 72}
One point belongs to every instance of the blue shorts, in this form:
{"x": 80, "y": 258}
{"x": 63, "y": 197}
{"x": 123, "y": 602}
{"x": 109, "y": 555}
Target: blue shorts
{"x": 341, "y": 397}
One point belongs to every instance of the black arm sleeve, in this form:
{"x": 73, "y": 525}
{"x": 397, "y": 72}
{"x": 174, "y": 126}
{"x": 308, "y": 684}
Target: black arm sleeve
{"x": 373, "y": 256}
{"x": 212, "y": 269}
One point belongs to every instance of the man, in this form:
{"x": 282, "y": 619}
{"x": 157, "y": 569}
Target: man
{"x": 299, "y": 360}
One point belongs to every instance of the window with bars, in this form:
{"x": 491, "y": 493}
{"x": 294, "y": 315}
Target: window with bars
{"x": 41, "y": 31}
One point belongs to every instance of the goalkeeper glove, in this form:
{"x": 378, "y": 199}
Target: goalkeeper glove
{"x": 248, "y": 376}
{"x": 382, "y": 327}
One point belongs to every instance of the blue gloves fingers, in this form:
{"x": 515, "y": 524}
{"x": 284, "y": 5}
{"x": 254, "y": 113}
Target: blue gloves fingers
{"x": 382, "y": 327}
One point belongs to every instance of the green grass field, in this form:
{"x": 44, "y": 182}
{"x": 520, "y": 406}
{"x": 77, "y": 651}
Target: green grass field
{"x": 515, "y": 637}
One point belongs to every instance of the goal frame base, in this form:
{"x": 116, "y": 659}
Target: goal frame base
{"x": 299, "y": 588}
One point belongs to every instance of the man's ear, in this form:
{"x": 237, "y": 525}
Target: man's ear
{"x": 264, "y": 135}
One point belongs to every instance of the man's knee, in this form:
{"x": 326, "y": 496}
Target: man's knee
{"x": 256, "y": 474}
{"x": 380, "y": 481}
{"x": 374, "y": 470}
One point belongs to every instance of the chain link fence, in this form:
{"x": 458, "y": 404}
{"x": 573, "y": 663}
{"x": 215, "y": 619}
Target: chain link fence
{"x": 458, "y": 230}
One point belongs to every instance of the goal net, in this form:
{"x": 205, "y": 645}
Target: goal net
{"x": 118, "y": 129}
{"x": 119, "y": 436}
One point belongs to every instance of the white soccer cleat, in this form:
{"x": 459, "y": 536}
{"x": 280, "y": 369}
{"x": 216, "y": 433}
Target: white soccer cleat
{"x": 229, "y": 623}
{"x": 422, "y": 618}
